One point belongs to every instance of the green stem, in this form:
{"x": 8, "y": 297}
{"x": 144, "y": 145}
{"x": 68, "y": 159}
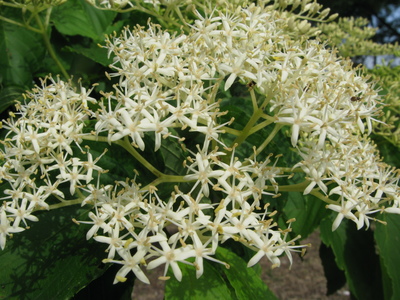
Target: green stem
{"x": 253, "y": 99}
{"x": 66, "y": 203}
{"x": 164, "y": 20}
{"x": 19, "y": 24}
{"x": 231, "y": 130}
{"x": 299, "y": 187}
{"x": 128, "y": 147}
{"x": 287, "y": 170}
{"x": 313, "y": 19}
{"x": 316, "y": 193}
{"x": 165, "y": 178}
{"x": 257, "y": 114}
{"x": 46, "y": 39}
{"x": 269, "y": 138}
{"x": 246, "y": 130}
{"x": 261, "y": 126}
{"x": 10, "y": 4}
{"x": 161, "y": 177}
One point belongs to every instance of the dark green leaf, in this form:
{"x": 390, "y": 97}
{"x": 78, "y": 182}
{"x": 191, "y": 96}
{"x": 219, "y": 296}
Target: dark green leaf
{"x": 77, "y": 17}
{"x": 103, "y": 289}
{"x": 119, "y": 163}
{"x": 335, "y": 277}
{"x": 242, "y": 114}
{"x": 388, "y": 151}
{"x": 21, "y": 53}
{"x": 388, "y": 242}
{"x": 210, "y": 286}
{"x": 355, "y": 255}
{"x": 94, "y": 52}
{"x": 247, "y": 284}
{"x": 172, "y": 155}
{"x": 308, "y": 211}
{"x": 51, "y": 260}
{"x": 9, "y": 95}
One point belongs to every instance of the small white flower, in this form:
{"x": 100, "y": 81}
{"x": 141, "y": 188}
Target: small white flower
{"x": 344, "y": 211}
{"x": 5, "y": 228}
{"x": 266, "y": 244}
{"x": 170, "y": 257}
{"x": 129, "y": 263}
{"x": 21, "y": 213}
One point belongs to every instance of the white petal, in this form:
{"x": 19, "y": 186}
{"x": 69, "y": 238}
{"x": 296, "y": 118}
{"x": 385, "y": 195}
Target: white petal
{"x": 230, "y": 81}
{"x": 255, "y": 259}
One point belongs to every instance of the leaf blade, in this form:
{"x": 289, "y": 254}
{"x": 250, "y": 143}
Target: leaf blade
{"x": 76, "y": 17}
{"x": 51, "y": 260}
{"x": 355, "y": 254}
{"x": 388, "y": 242}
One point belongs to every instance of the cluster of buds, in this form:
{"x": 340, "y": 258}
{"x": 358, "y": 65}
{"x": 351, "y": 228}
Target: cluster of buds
{"x": 168, "y": 91}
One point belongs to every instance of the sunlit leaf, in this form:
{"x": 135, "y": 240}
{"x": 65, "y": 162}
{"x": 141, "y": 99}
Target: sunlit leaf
{"x": 210, "y": 286}
{"x": 77, "y": 17}
{"x": 247, "y": 284}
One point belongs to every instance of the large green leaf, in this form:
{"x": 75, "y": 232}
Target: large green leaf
{"x": 246, "y": 283}
{"x": 335, "y": 277}
{"x": 210, "y": 286}
{"x": 388, "y": 151}
{"x": 172, "y": 155}
{"x": 388, "y": 241}
{"x": 308, "y": 210}
{"x": 355, "y": 254}
{"x": 77, "y": 17}
{"x": 93, "y": 52}
{"x": 118, "y": 162}
{"x": 21, "y": 53}
{"x": 51, "y": 260}
{"x": 9, "y": 95}
{"x": 103, "y": 289}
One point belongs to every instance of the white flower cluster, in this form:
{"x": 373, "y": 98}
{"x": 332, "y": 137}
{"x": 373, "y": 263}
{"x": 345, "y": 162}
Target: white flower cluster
{"x": 134, "y": 222}
{"x": 169, "y": 81}
{"x": 38, "y": 153}
{"x": 329, "y": 110}
{"x": 362, "y": 184}
{"x": 168, "y": 87}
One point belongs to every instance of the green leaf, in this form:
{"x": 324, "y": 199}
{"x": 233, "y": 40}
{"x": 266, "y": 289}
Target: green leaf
{"x": 119, "y": 163}
{"x": 51, "y": 260}
{"x": 210, "y": 286}
{"x": 388, "y": 242}
{"x": 94, "y": 52}
{"x": 77, "y": 17}
{"x": 9, "y": 95}
{"x": 308, "y": 210}
{"x": 355, "y": 254}
{"x": 335, "y": 277}
{"x": 172, "y": 155}
{"x": 21, "y": 53}
{"x": 103, "y": 289}
{"x": 388, "y": 151}
{"x": 247, "y": 284}
{"x": 238, "y": 109}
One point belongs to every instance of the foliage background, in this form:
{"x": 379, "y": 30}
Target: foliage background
{"x": 46, "y": 268}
